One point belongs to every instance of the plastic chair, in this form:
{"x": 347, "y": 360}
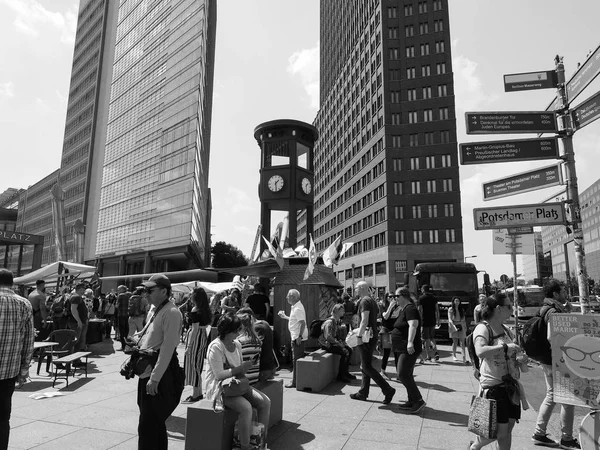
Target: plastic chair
{"x": 66, "y": 344}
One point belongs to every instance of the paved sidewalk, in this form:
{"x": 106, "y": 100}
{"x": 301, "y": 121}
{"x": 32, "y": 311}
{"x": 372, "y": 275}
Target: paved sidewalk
{"x": 101, "y": 412}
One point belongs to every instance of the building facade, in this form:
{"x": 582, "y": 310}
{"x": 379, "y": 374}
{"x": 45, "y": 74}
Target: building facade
{"x": 386, "y": 162}
{"x": 536, "y": 267}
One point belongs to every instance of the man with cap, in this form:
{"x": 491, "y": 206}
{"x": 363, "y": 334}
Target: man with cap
{"x": 159, "y": 387}
{"x": 123, "y": 313}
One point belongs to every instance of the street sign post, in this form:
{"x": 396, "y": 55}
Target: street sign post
{"x": 505, "y": 243}
{"x": 531, "y": 80}
{"x": 510, "y": 122}
{"x": 520, "y": 230}
{"x": 508, "y": 151}
{"x": 523, "y": 182}
{"x": 519, "y": 215}
{"x": 587, "y": 112}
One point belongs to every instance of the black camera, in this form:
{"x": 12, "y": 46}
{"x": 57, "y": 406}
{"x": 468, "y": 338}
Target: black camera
{"x": 127, "y": 370}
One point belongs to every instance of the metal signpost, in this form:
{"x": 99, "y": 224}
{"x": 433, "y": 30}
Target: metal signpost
{"x": 523, "y": 182}
{"x": 510, "y": 122}
{"x": 519, "y": 215}
{"x": 509, "y": 151}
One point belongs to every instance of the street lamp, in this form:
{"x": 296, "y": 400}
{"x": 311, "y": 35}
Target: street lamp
{"x": 472, "y": 256}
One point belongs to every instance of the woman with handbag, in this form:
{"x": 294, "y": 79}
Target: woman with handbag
{"x": 501, "y": 360}
{"x": 457, "y": 327}
{"x": 224, "y": 379}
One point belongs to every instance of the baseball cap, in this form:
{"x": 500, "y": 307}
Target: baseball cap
{"x": 159, "y": 280}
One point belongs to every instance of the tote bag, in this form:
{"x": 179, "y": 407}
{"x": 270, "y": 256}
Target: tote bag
{"x": 483, "y": 420}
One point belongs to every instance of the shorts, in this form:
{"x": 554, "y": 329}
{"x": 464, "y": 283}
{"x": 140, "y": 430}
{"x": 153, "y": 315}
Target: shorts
{"x": 506, "y": 409}
{"x": 428, "y": 332}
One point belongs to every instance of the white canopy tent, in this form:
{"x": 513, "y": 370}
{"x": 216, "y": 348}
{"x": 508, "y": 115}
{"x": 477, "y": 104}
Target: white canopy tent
{"x": 210, "y": 288}
{"x": 52, "y": 272}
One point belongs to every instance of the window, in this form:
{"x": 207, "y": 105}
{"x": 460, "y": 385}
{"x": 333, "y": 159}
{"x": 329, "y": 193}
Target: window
{"x": 413, "y": 140}
{"x": 397, "y": 188}
{"x": 392, "y": 12}
{"x": 414, "y": 163}
{"x": 441, "y": 68}
{"x": 412, "y": 94}
{"x": 412, "y": 117}
{"x": 393, "y": 33}
{"x": 400, "y": 237}
{"x": 450, "y": 236}
{"x": 431, "y": 186}
{"x": 439, "y": 47}
{"x": 396, "y": 118}
{"x": 444, "y": 137}
{"x": 397, "y": 164}
{"x": 411, "y": 72}
{"x": 398, "y": 212}
{"x": 446, "y": 161}
{"x": 434, "y": 236}
{"x": 438, "y": 25}
{"x": 448, "y": 210}
{"x": 427, "y": 92}
{"x": 415, "y": 187}
{"x": 395, "y": 96}
{"x": 422, "y": 7}
{"x": 423, "y": 28}
{"x": 425, "y": 70}
{"x": 400, "y": 265}
{"x": 429, "y": 140}
{"x": 408, "y": 10}
{"x": 444, "y": 113}
{"x": 380, "y": 268}
{"x": 430, "y": 162}
{"x": 394, "y": 74}
{"x": 394, "y": 53}
{"x": 442, "y": 90}
{"x": 424, "y": 49}
{"x": 437, "y": 5}
{"x": 427, "y": 115}
{"x": 433, "y": 211}
{"x": 396, "y": 140}
{"x": 409, "y": 31}
{"x": 447, "y": 184}
{"x": 410, "y": 51}
{"x": 416, "y": 211}
{"x": 417, "y": 237}
{"x": 368, "y": 270}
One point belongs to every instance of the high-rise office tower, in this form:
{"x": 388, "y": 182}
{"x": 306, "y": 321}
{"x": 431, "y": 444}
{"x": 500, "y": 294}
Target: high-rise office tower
{"x": 154, "y": 206}
{"x": 386, "y": 163}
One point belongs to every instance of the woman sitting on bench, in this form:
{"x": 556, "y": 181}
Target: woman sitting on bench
{"x": 225, "y": 362}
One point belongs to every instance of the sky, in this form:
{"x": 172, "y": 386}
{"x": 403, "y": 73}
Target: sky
{"x": 267, "y": 67}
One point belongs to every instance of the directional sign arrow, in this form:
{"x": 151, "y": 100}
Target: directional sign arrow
{"x": 510, "y": 122}
{"x": 586, "y": 112}
{"x": 508, "y": 151}
{"x": 523, "y": 182}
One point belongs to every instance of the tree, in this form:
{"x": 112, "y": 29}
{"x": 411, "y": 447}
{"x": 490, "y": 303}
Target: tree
{"x": 226, "y": 255}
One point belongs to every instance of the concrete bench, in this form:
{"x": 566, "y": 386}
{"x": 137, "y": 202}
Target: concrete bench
{"x": 208, "y": 430}
{"x": 316, "y": 370}
{"x": 63, "y": 366}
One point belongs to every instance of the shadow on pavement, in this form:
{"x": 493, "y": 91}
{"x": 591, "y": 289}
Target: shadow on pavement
{"x": 293, "y": 439}
{"x": 34, "y": 386}
{"x": 74, "y": 385}
{"x": 435, "y": 387}
{"x": 449, "y": 417}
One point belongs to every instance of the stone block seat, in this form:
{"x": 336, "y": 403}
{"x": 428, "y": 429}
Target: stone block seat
{"x": 316, "y": 370}
{"x": 208, "y": 430}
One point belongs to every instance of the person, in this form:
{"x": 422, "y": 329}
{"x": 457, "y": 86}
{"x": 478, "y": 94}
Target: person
{"x": 37, "y": 298}
{"x": 367, "y": 311}
{"x": 232, "y": 302}
{"x": 78, "y": 319}
{"x": 123, "y": 295}
{"x": 196, "y": 343}
{"x": 16, "y": 348}
{"x": 136, "y": 310}
{"x": 259, "y": 302}
{"x": 388, "y": 318}
{"x": 250, "y": 342}
{"x": 331, "y": 342}
{"x": 457, "y": 328}
{"x": 430, "y": 314}
{"x": 555, "y": 301}
{"x": 109, "y": 310}
{"x": 298, "y": 330}
{"x": 349, "y": 310}
{"x": 225, "y": 361}
{"x": 58, "y": 310}
{"x": 406, "y": 340}
{"x": 477, "y": 310}
{"x": 158, "y": 393}
{"x": 268, "y": 360}
{"x": 500, "y": 361}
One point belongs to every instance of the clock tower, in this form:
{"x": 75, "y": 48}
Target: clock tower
{"x": 286, "y": 173}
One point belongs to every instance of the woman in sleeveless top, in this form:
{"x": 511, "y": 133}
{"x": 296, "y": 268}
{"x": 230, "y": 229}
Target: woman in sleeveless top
{"x": 501, "y": 360}
{"x": 457, "y": 326}
{"x": 197, "y": 343}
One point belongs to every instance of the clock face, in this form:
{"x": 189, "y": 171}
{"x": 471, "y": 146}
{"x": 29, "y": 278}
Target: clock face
{"x": 275, "y": 183}
{"x": 306, "y": 186}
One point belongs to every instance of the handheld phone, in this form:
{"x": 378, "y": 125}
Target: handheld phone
{"x": 255, "y": 358}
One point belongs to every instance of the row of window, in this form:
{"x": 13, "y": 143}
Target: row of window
{"x": 431, "y": 186}
{"x": 364, "y": 271}
{"x": 417, "y": 139}
{"x": 392, "y": 11}
{"x": 425, "y": 236}
{"x": 424, "y": 211}
{"x": 440, "y": 69}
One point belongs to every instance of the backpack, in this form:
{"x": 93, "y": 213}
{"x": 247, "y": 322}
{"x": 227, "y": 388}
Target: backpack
{"x": 135, "y": 306}
{"x": 58, "y": 305}
{"x": 535, "y": 338}
{"x": 315, "y": 328}
{"x": 470, "y": 344}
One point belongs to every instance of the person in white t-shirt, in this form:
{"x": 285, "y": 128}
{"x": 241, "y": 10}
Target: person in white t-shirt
{"x": 298, "y": 329}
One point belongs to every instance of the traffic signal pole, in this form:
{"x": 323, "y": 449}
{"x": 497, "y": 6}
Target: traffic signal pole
{"x": 566, "y": 136}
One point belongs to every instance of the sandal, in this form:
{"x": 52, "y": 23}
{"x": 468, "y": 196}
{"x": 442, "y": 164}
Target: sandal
{"x": 191, "y": 399}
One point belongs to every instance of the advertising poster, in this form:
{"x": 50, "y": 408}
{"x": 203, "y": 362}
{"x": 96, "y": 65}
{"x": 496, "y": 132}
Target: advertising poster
{"x": 576, "y": 359}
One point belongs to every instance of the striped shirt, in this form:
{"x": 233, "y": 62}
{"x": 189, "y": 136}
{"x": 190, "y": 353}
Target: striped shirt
{"x": 249, "y": 350}
{"x": 16, "y": 334}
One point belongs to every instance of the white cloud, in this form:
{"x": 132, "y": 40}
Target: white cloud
{"x": 31, "y": 16}
{"x": 468, "y": 88}
{"x": 305, "y": 65}
{"x": 238, "y": 201}
{"x": 7, "y": 89}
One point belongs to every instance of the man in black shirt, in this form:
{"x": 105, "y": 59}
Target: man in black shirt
{"x": 79, "y": 317}
{"x": 430, "y": 313}
{"x": 258, "y": 302}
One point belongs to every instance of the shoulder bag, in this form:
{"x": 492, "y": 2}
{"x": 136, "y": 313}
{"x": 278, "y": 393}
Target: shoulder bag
{"x": 236, "y": 385}
{"x": 483, "y": 417}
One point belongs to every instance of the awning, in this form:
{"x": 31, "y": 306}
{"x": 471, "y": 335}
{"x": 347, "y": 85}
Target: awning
{"x": 52, "y": 272}
{"x": 210, "y": 288}
{"x": 175, "y": 277}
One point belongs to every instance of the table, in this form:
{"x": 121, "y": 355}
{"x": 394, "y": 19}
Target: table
{"x": 43, "y": 345}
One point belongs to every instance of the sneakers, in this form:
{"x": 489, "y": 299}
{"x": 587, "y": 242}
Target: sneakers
{"x": 388, "y": 398}
{"x": 437, "y": 356}
{"x": 417, "y": 407}
{"x": 572, "y": 443}
{"x": 544, "y": 440}
{"x": 455, "y": 358}
{"x": 405, "y": 405}
{"x": 290, "y": 385}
